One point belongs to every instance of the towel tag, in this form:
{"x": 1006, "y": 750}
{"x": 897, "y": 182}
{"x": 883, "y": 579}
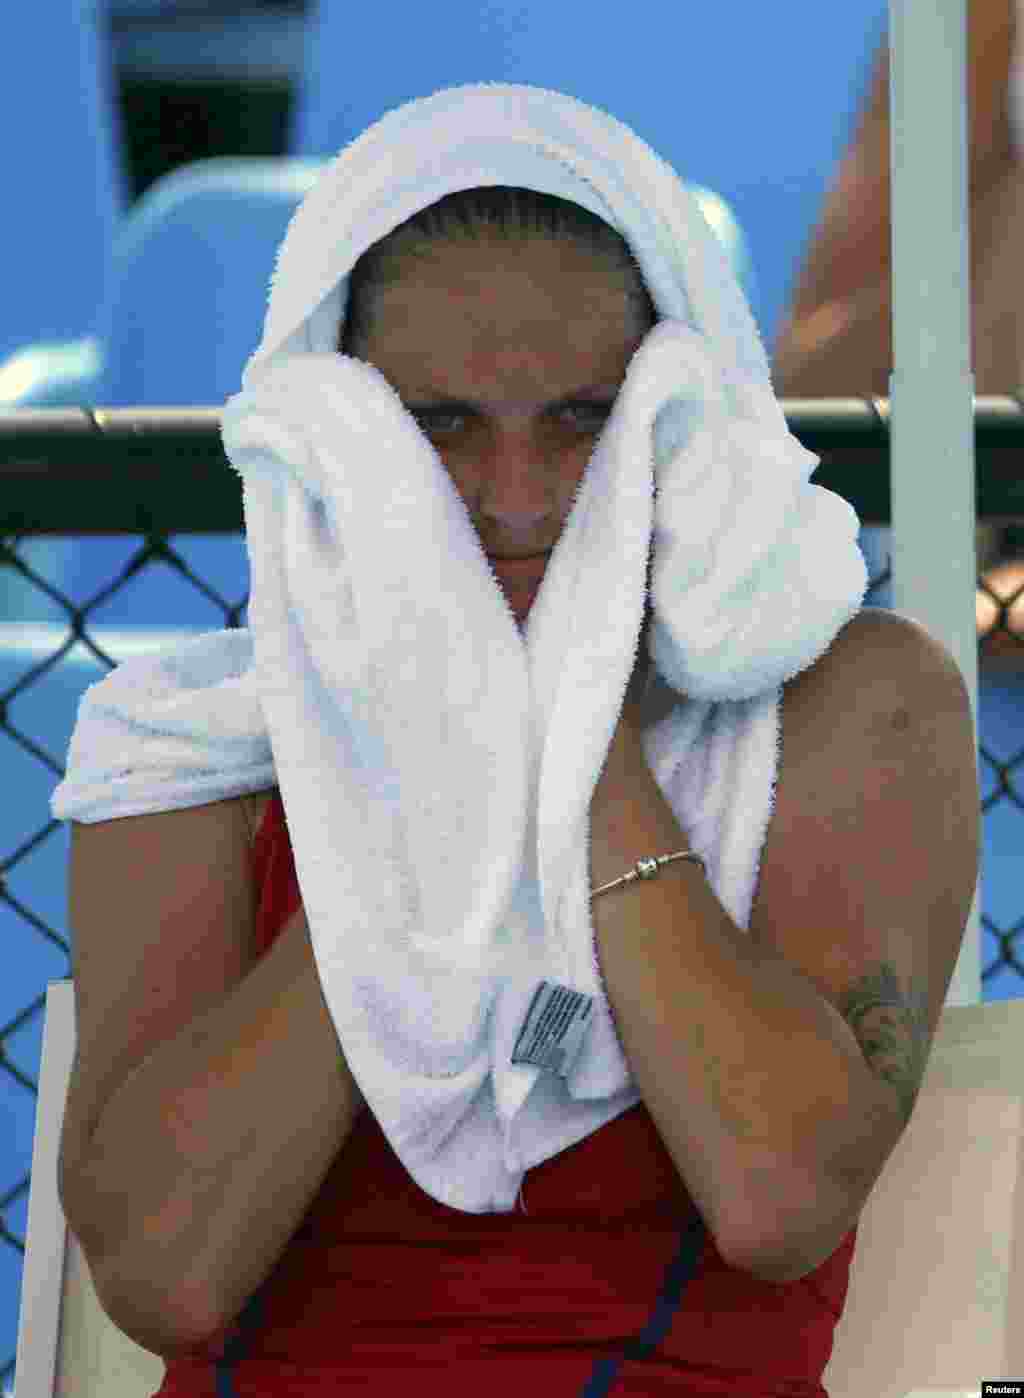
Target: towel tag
{"x": 554, "y": 1028}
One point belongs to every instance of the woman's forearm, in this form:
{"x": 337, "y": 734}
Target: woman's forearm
{"x": 205, "y": 1161}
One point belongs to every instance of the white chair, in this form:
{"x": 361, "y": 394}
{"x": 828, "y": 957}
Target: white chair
{"x": 938, "y": 1270}
{"x": 68, "y": 1347}
{"x": 937, "y": 1273}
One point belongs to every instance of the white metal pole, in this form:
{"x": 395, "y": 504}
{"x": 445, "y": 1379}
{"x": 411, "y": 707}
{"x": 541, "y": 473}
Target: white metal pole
{"x": 932, "y": 385}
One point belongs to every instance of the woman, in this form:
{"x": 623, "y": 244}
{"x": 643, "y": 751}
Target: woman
{"x": 270, "y": 1239}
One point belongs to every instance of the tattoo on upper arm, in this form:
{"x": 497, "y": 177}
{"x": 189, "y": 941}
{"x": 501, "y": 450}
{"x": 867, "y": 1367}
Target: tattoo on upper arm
{"x": 891, "y": 1026}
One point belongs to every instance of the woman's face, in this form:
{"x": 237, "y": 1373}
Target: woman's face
{"x": 510, "y": 356}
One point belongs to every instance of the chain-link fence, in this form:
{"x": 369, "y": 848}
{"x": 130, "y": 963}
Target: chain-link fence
{"x": 156, "y": 473}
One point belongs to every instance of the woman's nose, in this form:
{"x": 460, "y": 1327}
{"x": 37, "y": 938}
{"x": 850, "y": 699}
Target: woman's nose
{"x": 518, "y": 497}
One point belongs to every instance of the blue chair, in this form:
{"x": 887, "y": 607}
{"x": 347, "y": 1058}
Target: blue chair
{"x": 192, "y": 266}
{"x": 184, "y": 309}
{"x": 66, "y": 191}
{"x": 192, "y": 270}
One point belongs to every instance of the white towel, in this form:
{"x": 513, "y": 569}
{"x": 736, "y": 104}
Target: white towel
{"x": 437, "y": 767}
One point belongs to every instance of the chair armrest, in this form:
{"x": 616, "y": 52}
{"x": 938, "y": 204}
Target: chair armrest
{"x": 54, "y": 374}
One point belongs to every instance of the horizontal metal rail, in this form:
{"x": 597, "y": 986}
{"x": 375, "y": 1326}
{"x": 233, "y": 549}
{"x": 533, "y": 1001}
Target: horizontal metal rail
{"x": 133, "y": 470}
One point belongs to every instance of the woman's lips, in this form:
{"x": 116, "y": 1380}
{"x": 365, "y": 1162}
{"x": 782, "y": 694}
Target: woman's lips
{"x": 520, "y": 572}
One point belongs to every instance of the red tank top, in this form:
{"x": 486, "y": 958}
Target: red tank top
{"x": 602, "y": 1281}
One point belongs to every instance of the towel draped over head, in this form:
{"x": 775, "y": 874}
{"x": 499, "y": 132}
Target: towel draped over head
{"x": 437, "y": 767}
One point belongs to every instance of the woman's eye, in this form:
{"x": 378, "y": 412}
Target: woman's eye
{"x": 434, "y": 421}
{"x": 593, "y": 410}
{"x": 429, "y": 421}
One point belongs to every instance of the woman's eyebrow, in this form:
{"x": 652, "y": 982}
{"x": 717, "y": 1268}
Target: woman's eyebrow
{"x": 590, "y": 393}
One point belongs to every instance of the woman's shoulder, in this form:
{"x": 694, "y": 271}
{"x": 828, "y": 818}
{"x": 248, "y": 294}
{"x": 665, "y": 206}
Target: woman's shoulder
{"x": 254, "y": 804}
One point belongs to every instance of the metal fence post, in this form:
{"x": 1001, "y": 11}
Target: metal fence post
{"x": 932, "y": 386}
